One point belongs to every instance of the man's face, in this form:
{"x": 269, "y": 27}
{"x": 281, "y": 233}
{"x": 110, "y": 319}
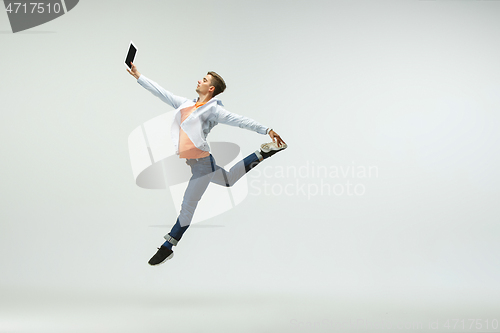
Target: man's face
{"x": 204, "y": 85}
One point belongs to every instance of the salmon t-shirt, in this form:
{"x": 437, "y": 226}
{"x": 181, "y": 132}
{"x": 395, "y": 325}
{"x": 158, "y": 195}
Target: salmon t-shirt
{"x": 187, "y": 149}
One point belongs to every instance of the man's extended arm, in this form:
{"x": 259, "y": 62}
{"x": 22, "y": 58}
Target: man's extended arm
{"x": 156, "y": 89}
{"x": 229, "y": 118}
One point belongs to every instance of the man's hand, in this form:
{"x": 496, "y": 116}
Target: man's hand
{"x": 135, "y": 73}
{"x": 276, "y": 138}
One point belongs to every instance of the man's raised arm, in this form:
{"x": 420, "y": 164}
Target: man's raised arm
{"x": 156, "y": 89}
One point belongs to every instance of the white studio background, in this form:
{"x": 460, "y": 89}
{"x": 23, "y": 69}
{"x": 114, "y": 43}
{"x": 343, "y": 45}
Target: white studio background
{"x": 398, "y": 98}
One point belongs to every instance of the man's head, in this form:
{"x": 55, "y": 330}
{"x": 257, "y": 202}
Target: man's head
{"x": 218, "y": 82}
{"x": 212, "y": 83}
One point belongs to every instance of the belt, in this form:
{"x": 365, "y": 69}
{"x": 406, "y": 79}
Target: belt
{"x": 196, "y": 159}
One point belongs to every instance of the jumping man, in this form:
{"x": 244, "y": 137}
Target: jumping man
{"x": 193, "y": 120}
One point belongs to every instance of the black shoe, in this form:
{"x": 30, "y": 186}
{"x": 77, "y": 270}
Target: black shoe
{"x": 163, "y": 254}
{"x": 271, "y": 148}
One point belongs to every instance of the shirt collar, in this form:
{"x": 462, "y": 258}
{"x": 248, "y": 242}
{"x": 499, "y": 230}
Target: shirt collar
{"x": 214, "y": 99}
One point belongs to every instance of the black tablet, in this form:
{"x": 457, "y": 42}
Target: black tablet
{"x": 132, "y": 50}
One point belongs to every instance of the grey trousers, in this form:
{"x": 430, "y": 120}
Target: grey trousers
{"x": 205, "y": 171}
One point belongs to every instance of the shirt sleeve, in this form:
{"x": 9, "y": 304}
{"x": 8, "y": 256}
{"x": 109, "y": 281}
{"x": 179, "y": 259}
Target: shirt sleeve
{"x": 233, "y": 119}
{"x": 158, "y": 91}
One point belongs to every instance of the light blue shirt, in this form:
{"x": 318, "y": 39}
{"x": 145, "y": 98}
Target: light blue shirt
{"x": 202, "y": 120}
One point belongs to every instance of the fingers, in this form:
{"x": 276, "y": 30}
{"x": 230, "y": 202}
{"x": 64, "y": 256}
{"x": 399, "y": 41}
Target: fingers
{"x": 277, "y": 139}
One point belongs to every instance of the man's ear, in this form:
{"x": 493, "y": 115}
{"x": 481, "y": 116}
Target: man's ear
{"x": 212, "y": 88}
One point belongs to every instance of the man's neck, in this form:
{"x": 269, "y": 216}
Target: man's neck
{"x": 204, "y": 98}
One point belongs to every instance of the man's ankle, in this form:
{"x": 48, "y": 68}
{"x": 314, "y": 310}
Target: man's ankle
{"x": 259, "y": 155}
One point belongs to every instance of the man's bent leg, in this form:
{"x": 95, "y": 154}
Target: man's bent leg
{"x": 229, "y": 178}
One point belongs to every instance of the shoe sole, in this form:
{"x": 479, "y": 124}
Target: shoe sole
{"x": 266, "y": 149}
{"x": 167, "y": 258}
